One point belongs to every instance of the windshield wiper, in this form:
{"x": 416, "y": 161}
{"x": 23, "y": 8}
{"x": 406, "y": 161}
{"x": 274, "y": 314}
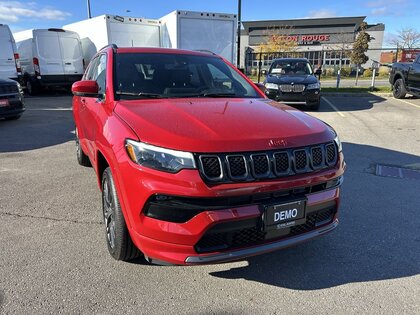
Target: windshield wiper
{"x": 217, "y": 94}
{"x": 141, "y": 94}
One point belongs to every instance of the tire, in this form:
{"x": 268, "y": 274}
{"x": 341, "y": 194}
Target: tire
{"x": 398, "y": 90}
{"x": 30, "y": 87}
{"x": 13, "y": 117}
{"x": 82, "y": 158}
{"x": 119, "y": 242}
{"x": 314, "y": 106}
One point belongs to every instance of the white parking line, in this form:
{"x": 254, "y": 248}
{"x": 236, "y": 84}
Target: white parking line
{"x": 407, "y": 102}
{"x": 52, "y": 109}
{"x": 333, "y": 107}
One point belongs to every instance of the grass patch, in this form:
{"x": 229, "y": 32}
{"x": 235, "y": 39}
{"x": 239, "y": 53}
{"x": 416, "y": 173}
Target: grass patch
{"x": 358, "y": 89}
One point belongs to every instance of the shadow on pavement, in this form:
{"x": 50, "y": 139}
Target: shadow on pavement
{"x": 377, "y": 239}
{"x": 343, "y": 103}
{"x": 352, "y": 103}
{"x": 50, "y": 93}
{"x": 46, "y": 122}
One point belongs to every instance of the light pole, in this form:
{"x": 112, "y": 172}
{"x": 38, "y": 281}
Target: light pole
{"x": 238, "y": 56}
{"x": 88, "y": 9}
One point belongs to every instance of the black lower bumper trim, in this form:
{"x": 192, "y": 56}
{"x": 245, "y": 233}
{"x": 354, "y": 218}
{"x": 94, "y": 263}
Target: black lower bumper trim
{"x": 261, "y": 249}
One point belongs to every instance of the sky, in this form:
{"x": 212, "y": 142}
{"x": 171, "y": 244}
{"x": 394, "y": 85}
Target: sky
{"x": 395, "y": 14}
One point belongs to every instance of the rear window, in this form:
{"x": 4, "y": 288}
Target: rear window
{"x": 175, "y": 75}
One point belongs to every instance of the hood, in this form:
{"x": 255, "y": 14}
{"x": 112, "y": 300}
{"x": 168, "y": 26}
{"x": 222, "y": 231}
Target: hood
{"x": 221, "y": 125}
{"x": 7, "y": 82}
{"x": 289, "y": 79}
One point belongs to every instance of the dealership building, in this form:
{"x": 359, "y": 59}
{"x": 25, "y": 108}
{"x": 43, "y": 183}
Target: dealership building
{"x": 325, "y": 41}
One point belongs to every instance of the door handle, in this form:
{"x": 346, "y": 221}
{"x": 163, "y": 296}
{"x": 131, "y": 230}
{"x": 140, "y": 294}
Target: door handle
{"x": 83, "y": 101}
{"x": 68, "y": 63}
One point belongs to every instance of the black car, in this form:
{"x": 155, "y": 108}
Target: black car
{"x": 11, "y": 100}
{"x": 293, "y": 80}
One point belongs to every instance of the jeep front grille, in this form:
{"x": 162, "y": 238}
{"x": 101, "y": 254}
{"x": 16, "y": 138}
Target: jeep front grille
{"x": 250, "y": 166}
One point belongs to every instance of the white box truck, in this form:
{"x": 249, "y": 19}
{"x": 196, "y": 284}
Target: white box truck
{"x": 215, "y": 32}
{"x": 103, "y": 30}
{"x": 9, "y": 57}
{"x": 49, "y": 58}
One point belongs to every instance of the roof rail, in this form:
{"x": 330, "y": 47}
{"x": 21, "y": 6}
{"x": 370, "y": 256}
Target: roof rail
{"x": 113, "y": 46}
{"x": 206, "y": 51}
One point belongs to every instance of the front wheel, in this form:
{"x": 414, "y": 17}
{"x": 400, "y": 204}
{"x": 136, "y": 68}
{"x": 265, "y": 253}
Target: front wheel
{"x": 120, "y": 245}
{"x": 30, "y": 87}
{"x": 399, "y": 90}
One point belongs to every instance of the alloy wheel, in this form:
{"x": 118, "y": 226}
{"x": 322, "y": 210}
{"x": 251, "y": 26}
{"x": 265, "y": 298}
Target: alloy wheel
{"x": 109, "y": 213}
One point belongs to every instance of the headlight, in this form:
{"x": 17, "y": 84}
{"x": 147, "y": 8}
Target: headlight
{"x": 272, "y": 86}
{"x": 313, "y": 86}
{"x": 159, "y": 158}
{"x": 338, "y": 143}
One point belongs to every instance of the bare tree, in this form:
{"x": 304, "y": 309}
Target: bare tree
{"x": 406, "y": 38}
{"x": 342, "y": 45}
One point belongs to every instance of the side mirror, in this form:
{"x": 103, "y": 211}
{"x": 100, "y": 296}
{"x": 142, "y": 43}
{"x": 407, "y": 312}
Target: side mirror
{"x": 261, "y": 87}
{"x": 318, "y": 71}
{"x": 88, "y": 88}
{"x": 264, "y": 72}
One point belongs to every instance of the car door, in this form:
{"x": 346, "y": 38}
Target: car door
{"x": 414, "y": 74}
{"x": 7, "y": 54}
{"x": 84, "y": 109}
{"x": 71, "y": 51}
{"x": 94, "y": 105}
{"x": 48, "y": 53}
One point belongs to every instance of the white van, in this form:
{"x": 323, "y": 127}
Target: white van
{"x": 9, "y": 58}
{"x": 122, "y": 31}
{"x": 49, "y": 58}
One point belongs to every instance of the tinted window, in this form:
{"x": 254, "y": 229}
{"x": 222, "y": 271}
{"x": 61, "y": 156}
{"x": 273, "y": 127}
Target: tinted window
{"x": 174, "y": 75}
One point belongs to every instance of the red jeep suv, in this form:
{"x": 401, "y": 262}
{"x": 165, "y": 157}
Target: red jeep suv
{"x": 195, "y": 164}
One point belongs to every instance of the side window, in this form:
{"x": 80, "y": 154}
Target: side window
{"x": 90, "y": 70}
{"x": 99, "y": 74}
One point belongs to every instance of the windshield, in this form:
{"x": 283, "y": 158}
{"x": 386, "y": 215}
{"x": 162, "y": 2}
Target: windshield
{"x": 151, "y": 75}
{"x": 290, "y": 67}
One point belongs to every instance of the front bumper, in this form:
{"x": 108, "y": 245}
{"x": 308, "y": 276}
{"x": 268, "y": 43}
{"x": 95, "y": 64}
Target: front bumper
{"x": 262, "y": 249}
{"x": 178, "y": 243}
{"x": 15, "y": 107}
{"x": 308, "y": 96}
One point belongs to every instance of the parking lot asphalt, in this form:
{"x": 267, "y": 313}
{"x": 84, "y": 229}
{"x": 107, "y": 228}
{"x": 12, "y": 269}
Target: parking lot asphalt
{"x": 53, "y": 255}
